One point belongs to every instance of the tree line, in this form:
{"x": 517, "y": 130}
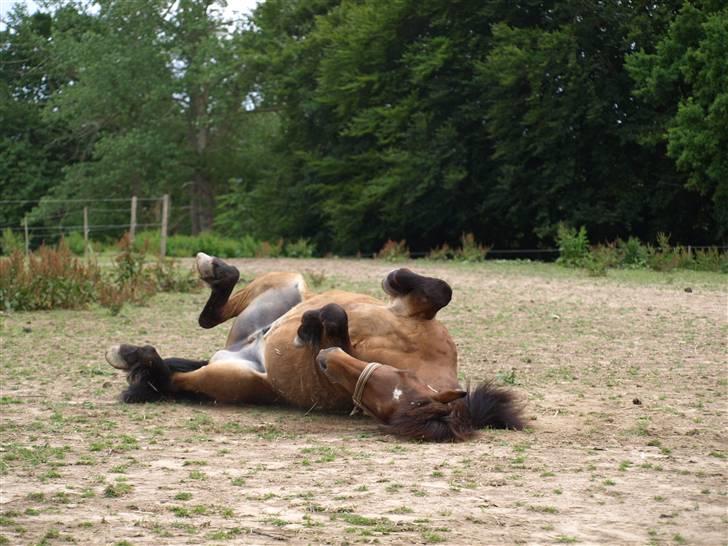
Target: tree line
{"x": 353, "y": 122}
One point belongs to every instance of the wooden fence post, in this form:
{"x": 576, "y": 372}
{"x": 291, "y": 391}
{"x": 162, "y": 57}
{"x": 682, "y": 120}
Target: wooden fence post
{"x": 85, "y": 232}
{"x": 132, "y": 222}
{"x": 27, "y": 240}
{"x": 165, "y": 224}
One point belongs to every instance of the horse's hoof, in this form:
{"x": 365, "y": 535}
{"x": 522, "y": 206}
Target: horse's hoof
{"x": 204, "y": 266}
{"x": 113, "y": 357}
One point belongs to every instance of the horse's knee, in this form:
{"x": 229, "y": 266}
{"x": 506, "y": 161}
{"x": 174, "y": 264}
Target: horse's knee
{"x": 325, "y": 327}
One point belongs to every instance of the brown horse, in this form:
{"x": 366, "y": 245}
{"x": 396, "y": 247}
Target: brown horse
{"x": 327, "y": 351}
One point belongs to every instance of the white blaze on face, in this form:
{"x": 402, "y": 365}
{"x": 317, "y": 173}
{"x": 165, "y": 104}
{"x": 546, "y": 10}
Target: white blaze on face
{"x": 396, "y": 393}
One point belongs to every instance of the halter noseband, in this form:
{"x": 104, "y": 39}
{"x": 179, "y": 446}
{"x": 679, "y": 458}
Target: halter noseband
{"x": 361, "y": 383}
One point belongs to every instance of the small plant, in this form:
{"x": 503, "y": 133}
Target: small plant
{"x": 302, "y": 248}
{"x": 270, "y": 250}
{"x": 573, "y": 246}
{"x": 634, "y": 253}
{"x": 440, "y": 253}
{"x": 76, "y": 243}
{"x": 470, "y": 250}
{"x": 394, "y": 251}
{"x": 11, "y": 242}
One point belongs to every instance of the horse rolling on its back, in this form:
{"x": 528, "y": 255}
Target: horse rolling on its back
{"x": 327, "y": 351}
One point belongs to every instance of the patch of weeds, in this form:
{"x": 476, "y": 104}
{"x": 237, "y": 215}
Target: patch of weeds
{"x": 717, "y": 454}
{"x": 565, "y": 539}
{"x": 393, "y": 488}
{"x": 543, "y": 509}
{"x": 401, "y": 510}
{"x": 609, "y": 482}
{"x": 225, "y": 534}
{"x": 194, "y": 463}
{"x": 431, "y": 537}
{"x": 326, "y": 454}
{"x": 238, "y": 481}
{"x": 507, "y": 377}
{"x": 183, "y": 496}
{"x": 624, "y": 465}
{"x": 198, "y": 475}
{"x": 677, "y": 538}
{"x": 362, "y": 488}
{"x": 180, "y": 511}
{"x": 118, "y": 489}
{"x": 277, "y": 522}
{"x": 6, "y": 400}
{"x": 437, "y": 474}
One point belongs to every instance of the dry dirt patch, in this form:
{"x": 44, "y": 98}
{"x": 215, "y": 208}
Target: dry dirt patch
{"x": 594, "y": 467}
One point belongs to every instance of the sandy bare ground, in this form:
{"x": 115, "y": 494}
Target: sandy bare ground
{"x": 625, "y": 380}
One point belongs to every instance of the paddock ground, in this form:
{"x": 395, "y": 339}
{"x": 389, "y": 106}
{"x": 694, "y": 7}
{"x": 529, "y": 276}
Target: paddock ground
{"x": 624, "y": 377}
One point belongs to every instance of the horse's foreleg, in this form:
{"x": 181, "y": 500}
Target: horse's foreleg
{"x": 221, "y": 278}
{"x": 226, "y": 381}
{"x": 149, "y": 376}
{"x": 324, "y": 328}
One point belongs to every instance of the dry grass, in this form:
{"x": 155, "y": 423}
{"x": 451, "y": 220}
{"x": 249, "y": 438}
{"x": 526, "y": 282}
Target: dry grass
{"x": 595, "y": 467}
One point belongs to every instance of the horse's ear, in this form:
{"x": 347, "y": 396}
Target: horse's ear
{"x": 445, "y": 397}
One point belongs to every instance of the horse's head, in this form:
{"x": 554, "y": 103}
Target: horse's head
{"x": 387, "y": 393}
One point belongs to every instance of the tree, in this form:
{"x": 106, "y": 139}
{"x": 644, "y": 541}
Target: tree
{"x": 686, "y": 81}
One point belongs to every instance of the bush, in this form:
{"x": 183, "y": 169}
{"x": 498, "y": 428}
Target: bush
{"x": 75, "y": 243}
{"x": 303, "y": 248}
{"x": 49, "y": 279}
{"x": 634, "y": 254}
{"x": 270, "y": 250}
{"x": 11, "y": 242}
{"x": 710, "y": 259}
{"x": 573, "y": 246}
{"x": 440, "y": 253}
{"x": 393, "y": 251}
{"x": 53, "y": 278}
{"x": 470, "y": 250}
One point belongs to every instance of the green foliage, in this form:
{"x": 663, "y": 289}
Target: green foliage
{"x": 443, "y": 252}
{"x": 685, "y": 81}
{"x": 76, "y": 243}
{"x": 11, "y": 242}
{"x": 302, "y": 248}
{"x": 573, "y": 246}
{"x": 633, "y": 253}
{"x": 345, "y": 124}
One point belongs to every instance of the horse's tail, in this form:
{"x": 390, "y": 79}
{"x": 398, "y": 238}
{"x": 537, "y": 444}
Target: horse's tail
{"x": 153, "y": 382}
{"x": 493, "y": 406}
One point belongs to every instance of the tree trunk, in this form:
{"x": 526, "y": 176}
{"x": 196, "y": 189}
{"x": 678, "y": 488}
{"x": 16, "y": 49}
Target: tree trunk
{"x": 202, "y": 204}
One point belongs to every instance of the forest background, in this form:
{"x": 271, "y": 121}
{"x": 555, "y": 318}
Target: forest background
{"x": 349, "y": 123}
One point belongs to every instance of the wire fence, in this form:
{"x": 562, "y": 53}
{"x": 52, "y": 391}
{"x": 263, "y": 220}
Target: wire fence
{"x": 50, "y": 218}
{"x": 51, "y": 222}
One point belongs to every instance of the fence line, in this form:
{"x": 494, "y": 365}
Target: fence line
{"x": 87, "y": 228}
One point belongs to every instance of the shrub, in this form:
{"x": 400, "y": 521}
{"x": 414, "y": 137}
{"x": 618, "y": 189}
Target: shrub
{"x": 573, "y": 246}
{"x": 633, "y": 253}
{"x": 270, "y": 250}
{"x": 710, "y": 259}
{"x": 470, "y": 250}
{"x": 49, "y": 279}
{"x": 440, "y": 253}
{"x": 393, "y": 251}
{"x": 11, "y": 242}
{"x": 302, "y": 248}
{"x": 52, "y": 278}
{"x": 75, "y": 243}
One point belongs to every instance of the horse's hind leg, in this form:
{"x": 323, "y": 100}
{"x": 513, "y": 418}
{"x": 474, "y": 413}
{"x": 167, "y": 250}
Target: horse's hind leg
{"x": 226, "y": 381}
{"x": 221, "y": 278}
{"x": 415, "y": 295}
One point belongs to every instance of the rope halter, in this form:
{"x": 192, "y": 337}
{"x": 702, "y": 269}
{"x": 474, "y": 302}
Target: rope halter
{"x": 361, "y": 383}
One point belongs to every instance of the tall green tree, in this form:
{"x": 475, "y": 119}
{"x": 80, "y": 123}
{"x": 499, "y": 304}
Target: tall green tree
{"x": 685, "y": 80}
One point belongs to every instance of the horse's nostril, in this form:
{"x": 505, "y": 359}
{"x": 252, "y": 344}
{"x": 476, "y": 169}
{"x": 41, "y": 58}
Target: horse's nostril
{"x": 322, "y": 363}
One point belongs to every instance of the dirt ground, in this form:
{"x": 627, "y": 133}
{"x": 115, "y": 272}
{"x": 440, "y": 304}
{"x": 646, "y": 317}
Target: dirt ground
{"x": 624, "y": 378}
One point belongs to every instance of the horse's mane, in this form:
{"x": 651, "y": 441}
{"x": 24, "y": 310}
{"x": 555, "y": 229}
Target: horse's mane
{"x": 486, "y": 405}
